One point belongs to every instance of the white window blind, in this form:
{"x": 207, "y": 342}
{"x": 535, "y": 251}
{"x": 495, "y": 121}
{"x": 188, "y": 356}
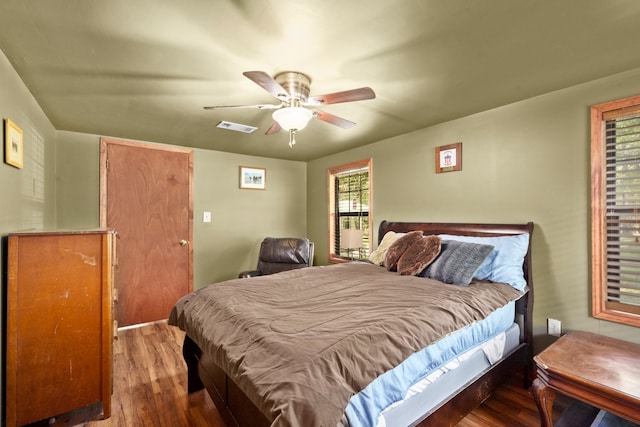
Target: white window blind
{"x": 622, "y": 205}
{"x": 350, "y": 209}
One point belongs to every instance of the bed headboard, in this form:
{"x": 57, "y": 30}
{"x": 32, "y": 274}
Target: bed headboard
{"x": 465, "y": 229}
{"x": 462, "y": 229}
{"x": 524, "y": 306}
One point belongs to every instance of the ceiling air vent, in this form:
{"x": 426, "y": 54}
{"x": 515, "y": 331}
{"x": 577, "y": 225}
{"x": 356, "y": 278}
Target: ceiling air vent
{"x": 235, "y": 127}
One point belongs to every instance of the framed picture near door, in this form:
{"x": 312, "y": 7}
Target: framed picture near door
{"x": 13, "y": 149}
{"x": 253, "y": 178}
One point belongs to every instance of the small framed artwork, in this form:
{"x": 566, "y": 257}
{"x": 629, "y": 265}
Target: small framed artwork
{"x": 253, "y": 178}
{"x": 449, "y": 158}
{"x": 12, "y": 144}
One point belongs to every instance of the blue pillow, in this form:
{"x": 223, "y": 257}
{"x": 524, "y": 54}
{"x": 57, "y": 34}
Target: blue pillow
{"x": 504, "y": 263}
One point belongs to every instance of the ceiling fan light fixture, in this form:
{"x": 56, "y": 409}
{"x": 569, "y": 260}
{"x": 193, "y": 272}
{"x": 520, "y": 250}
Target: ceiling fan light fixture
{"x": 292, "y": 118}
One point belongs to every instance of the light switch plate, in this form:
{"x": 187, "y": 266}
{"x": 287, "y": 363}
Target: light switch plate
{"x": 206, "y": 216}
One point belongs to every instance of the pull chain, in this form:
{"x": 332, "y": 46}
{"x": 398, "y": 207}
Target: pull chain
{"x": 292, "y": 138}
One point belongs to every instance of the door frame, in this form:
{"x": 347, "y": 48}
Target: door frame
{"x": 104, "y": 142}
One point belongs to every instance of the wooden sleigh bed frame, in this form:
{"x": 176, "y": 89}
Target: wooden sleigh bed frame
{"x": 237, "y": 410}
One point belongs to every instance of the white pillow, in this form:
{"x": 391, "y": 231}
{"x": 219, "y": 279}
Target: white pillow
{"x": 377, "y": 256}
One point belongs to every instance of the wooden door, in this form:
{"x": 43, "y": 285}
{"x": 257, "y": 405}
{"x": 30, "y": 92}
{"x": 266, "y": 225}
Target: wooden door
{"x": 147, "y": 198}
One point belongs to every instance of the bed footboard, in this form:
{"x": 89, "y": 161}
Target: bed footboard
{"x": 234, "y": 407}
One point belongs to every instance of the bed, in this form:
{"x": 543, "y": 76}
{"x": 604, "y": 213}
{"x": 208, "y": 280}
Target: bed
{"x": 355, "y": 344}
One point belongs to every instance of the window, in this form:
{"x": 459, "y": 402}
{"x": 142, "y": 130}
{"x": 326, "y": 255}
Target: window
{"x": 615, "y": 211}
{"x": 350, "y": 209}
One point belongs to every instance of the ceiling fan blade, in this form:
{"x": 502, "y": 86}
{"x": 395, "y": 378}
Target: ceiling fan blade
{"x": 268, "y": 83}
{"x": 359, "y": 94}
{"x": 334, "y": 120}
{"x": 259, "y": 106}
{"x": 274, "y": 128}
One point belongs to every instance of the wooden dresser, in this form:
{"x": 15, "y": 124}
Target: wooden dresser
{"x": 59, "y": 323}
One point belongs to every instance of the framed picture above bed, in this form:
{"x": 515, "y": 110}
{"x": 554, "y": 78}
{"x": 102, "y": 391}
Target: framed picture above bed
{"x": 253, "y": 178}
{"x": 449, "y": 158}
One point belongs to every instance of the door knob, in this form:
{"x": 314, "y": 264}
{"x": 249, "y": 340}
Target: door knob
{"x": 183, "y": 242}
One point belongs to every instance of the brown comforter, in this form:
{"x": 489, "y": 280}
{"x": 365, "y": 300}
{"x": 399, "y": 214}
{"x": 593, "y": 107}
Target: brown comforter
{"x": 302, "y": 342}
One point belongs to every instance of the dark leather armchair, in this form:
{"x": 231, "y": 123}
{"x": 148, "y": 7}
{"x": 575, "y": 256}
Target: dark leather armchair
{"x": 280, "y": 254}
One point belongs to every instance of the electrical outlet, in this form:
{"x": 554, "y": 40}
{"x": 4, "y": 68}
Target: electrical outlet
{"x": 554, "y": 327}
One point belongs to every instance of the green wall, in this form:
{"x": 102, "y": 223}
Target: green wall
{"x": 240, "y": 218}
{"x": 527, "y": 161}
{"x": 27, "y": 195}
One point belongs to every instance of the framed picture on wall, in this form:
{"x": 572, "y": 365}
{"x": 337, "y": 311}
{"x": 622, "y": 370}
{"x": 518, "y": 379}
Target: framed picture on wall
{"x": 253, "y": 178}
{"x": 449, "y": 158}
{"x": 13, "y": 149}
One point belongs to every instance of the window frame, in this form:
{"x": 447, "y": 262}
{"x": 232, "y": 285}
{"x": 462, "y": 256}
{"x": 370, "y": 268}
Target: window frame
{"x": 331, "y": 235}
{"x": 601, "y": 308}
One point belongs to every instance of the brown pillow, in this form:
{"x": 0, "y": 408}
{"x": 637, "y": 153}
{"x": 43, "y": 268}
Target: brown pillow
{"x": 419, "y": 255}
{"x": 398, "y": 247}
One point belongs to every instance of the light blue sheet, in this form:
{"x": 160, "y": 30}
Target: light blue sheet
{"x": 365, "y": 407}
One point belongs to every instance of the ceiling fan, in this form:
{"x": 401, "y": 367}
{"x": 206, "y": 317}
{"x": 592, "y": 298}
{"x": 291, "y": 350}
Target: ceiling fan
{"x": 296, "y": 107}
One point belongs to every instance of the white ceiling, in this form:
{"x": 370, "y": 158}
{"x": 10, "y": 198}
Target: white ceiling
{"x": 144, "y": 69}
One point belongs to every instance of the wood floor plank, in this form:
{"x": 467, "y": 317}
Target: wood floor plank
{"x": 150, "y": 389}
{"x": 149, "y": 385}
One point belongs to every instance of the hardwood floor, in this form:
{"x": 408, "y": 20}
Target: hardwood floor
{"x": 510, "y": 406}
{"x": 150, "y": 390}
{"x": 150, "y": 382}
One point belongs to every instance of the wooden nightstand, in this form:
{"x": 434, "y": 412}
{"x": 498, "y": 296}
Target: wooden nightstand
{"x": 600, "y": 371}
